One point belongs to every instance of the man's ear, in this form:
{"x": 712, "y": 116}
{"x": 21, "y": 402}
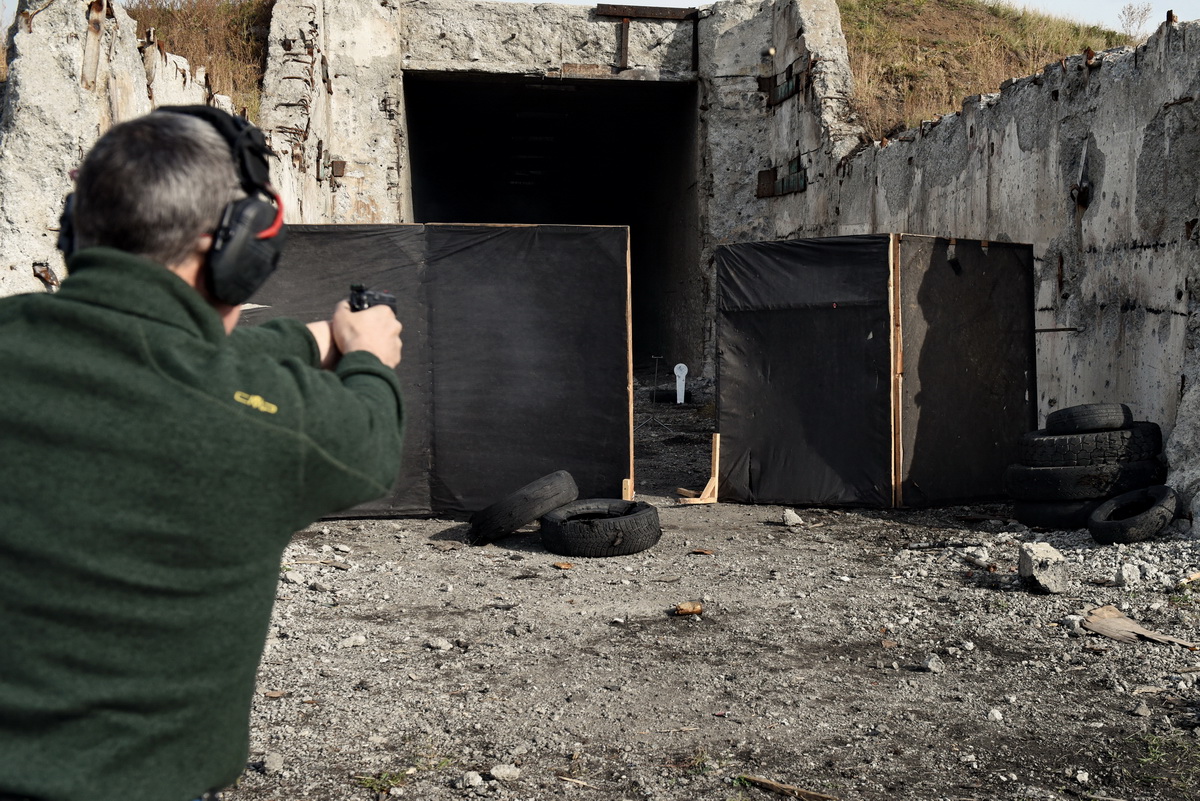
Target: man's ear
{"x": 204, "y": 244}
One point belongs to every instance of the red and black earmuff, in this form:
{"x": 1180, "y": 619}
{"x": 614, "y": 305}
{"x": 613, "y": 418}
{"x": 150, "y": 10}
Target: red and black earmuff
{"x": 249, "y": 240}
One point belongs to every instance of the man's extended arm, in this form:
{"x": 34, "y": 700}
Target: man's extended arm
{"x": 374, "y": 330}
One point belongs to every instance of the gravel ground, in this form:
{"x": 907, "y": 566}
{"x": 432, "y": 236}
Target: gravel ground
{"x": 831, "y": 656}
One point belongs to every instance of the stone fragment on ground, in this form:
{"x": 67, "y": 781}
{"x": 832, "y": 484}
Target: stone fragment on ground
{"x": 1043, "y": 566}
{"x": 505, "y": 773}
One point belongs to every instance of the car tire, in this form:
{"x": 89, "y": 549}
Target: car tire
{"x": 1133, "y": 517}
{"x": 601, "y": 527}
{"x": 1081, "y": 482}
{"x": 522, "y": 507}
{"x": 1139, "y": 442}
{"x": 1089, "y": 417}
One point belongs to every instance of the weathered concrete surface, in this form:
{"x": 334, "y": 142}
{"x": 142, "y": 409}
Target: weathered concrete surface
{"x": 66, "y": 84}
{"x": 1113, "y": 275}
{"x": 69, "y": 80}
{"x": 735, "y": 125}
{"x": 170, "y": 80}
{"x": 519, "y": 38}
{"x": 334, "y": 93}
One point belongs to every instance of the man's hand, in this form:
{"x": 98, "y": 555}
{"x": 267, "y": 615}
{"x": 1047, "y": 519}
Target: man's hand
{"x": 375, "y": 330}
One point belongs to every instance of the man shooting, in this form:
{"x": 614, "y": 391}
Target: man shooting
{"x": 154, "y": 462}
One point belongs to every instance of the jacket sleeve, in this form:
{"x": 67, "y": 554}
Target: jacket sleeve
{"x": 280, "y": 338}
{"x": 354, "y": 425}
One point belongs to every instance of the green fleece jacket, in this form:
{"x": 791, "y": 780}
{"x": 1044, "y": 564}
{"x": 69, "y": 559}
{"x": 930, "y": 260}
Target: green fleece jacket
{"x": 152, "y": 469}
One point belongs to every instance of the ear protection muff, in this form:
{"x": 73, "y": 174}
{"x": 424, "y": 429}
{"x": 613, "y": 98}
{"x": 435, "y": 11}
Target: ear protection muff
{"x": 249, "y": 239}
{"x": 245, "y": 250}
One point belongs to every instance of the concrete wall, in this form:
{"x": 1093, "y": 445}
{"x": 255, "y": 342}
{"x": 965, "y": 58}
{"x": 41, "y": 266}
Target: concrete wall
{"x": 1003, "y": 169}
{"x": 1114, "y": 277}
{"x": 74, "y": 71}
{"x": 333, "y": 93}
{"x": 334, "y": 89}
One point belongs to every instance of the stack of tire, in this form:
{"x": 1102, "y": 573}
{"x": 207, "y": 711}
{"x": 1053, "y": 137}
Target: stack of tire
{"x": 570, "y": 527}
{"x": 1093, "y": 466}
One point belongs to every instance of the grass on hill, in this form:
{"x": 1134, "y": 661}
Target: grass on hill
{"x": 226, "y": 37}
{"x": 915, "y": 60}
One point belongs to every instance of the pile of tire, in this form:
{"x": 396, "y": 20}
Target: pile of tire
{"x": 569, "y": 526}
{"x": 1093, "y": 466}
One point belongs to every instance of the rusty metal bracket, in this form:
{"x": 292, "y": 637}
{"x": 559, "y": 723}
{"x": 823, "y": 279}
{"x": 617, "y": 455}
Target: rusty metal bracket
{"x": 27, "y": 16}
{"x": 628, "y": 13}
{"x": 623, "y": 61}
{"x": 646, "y": 12}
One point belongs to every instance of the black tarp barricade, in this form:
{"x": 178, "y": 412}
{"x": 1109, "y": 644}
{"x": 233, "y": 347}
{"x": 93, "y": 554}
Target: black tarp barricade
{"x": 878, "y": 370}
{"x": 516, "y": 350}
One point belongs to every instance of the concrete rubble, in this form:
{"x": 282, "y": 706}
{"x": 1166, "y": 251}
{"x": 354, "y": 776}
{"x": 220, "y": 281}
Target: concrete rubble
{"x": 1091, "y": 160}
{"x": 965, "y": 671}
{"x": 1044, "y": 567}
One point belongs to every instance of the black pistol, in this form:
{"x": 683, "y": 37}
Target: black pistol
{"x": 363, "y": 298}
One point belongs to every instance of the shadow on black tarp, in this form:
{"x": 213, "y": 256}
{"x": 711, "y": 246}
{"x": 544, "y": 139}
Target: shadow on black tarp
{"x": 516, "y": 350}
{"x": 878, "y": 370}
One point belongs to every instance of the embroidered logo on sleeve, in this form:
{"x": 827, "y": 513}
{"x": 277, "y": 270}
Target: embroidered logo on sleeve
{"x": 255, "y": 402}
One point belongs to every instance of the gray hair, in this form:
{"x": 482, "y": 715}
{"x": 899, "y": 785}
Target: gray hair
{"x": 150, "y": 186}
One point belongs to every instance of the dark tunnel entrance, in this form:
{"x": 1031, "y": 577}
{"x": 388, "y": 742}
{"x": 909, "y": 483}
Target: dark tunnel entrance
{"x": 513, "y": 149}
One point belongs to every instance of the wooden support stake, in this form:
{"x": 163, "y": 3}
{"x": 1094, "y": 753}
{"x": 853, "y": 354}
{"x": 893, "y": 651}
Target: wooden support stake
{"x": 709, "y": 493}
{"x": 786, "y": 789}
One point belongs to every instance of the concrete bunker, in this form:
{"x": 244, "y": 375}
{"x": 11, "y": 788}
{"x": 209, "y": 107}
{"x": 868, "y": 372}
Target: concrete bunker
{"x": 511, "y": 149}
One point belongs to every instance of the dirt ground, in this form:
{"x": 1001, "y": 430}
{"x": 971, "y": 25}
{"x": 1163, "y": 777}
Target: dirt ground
{"x": 831, "y": 656}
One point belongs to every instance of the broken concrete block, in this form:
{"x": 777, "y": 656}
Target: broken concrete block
{"x": 1127, "y": 575}
{"x": 933, "y": 664}
{"x": 505, "y": 773}
{"x": 1043, "y": 567}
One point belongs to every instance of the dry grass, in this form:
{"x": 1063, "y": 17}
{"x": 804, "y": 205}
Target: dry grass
{"x": 914, "y": 60}
{"x": 226, "y": 37}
